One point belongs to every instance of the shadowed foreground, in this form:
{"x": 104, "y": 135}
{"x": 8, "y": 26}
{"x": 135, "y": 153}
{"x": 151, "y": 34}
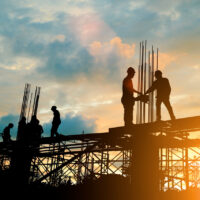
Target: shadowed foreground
{"x": 112, "y": 187}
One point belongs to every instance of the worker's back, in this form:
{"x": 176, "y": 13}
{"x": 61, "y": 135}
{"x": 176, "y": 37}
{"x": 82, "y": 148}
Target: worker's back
{"x": 127, "y": 89}
{"x": 56, "y": 118}
{"x": 163, "y": 88}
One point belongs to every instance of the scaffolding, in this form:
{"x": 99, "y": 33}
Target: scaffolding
{"x": 89, "y": 156}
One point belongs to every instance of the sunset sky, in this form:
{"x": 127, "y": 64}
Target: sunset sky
{"x": 78, "y": 52}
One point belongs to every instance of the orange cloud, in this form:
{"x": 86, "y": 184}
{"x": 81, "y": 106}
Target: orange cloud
{"x": 165, "y": 59}
{"x": 125, "y": 50}
{"x": 97, "y": 48}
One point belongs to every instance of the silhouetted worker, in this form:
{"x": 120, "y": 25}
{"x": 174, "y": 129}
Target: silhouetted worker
{"x": 56, "y": 121}
{"x": 21, "y": 128}
{"x": 163, "y": 94}
{"x": 31, "y": 129}
{"x": 6, "y": 133}
{"x": 127, "y": 97}
{"x": 39, "y": 129}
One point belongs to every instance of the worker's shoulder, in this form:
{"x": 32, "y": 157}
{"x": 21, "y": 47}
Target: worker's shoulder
{"x": 6, "y": 128}
{"x": 126, "y": 79}
{"x": 57, "y": 112}
{"x": 164, "y": 79}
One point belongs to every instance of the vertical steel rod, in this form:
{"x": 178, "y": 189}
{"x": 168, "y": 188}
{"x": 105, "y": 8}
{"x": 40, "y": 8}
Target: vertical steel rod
{"x": 144, "y": 88}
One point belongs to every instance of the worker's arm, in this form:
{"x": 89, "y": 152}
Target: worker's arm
{"x": 129, "y": 86}
{"x": 136, "y": 91}
{"x": 152, "y": 88}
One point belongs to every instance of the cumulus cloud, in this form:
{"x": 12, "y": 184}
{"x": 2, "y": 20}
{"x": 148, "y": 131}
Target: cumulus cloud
{"x": 21, "y": 63}
{"x": 78, "y": 52}
{"x": 98, "y": 49}
{"x": 165, "y": 59}
{"x": 72, "y": 125}
{"x": 88, "y": 28}
{"x": 5, "y": 120}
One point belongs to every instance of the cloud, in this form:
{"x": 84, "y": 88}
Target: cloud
{"x": 78, "y": 52}
{"x": 98, "y": 49}
{"x": 165, "y": 59}
{"x": 72, "y": 125}
{"x": 88, "y": 28}
{"x": 5, "y": 120}
{"x": 189, "y": 103}
{"x": 21, "y": 63}
{"x": 60, "y": 38}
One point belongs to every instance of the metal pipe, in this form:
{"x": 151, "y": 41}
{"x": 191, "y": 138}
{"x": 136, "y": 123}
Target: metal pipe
{"x": 157, "y": 59}
{"x": 149, "y": 84}
{"x": 29, "y": 108}
{"x": 141, "y": 85}
{"x": 138, "y": 88}
{"x": 144, "y": 88}
{"x": 152, "y": 106}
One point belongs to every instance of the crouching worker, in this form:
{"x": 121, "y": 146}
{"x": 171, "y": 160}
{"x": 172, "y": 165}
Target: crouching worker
{"x": 6, "y": 133}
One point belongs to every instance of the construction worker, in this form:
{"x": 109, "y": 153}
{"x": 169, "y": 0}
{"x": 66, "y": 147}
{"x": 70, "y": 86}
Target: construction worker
{"x": 6, "y": 133}
{"x": 31, "y": 129}
{"x": 127, "y": 97}
{"x": 21, "y": 128}
{"x": 163, "y": 94}
{"x": 56, "y": 121}
{"x": 39, "y": 129}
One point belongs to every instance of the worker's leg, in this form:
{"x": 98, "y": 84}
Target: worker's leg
{"x": 169, "y": 108}
{"x": 158, "y": 109}
{"x": 128, "y": 114}
{"x": 56, "y": 129}
{"x": 53, "y": 130}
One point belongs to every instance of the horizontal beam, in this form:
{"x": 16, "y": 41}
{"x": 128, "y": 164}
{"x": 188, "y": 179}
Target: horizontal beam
{"x": 190, "y": 124}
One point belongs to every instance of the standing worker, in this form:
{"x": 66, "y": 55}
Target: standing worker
{"x": 56, "y": 121}
{"x": 6, "y": 133}
{"x": 163, "y": 94}
{"x": 21, "y": 129}
{"x": 128, "y": 97}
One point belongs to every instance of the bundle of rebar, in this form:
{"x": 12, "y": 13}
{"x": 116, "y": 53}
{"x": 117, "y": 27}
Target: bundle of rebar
{"x": 146, "y": 113}
{"x": 26, "y": 104}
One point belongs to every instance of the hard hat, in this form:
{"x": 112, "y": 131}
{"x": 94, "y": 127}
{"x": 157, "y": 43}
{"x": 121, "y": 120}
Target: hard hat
{"x": 53, "y": 107}
{"x": 130, "y": 70}
{"x": 158, "y": 73}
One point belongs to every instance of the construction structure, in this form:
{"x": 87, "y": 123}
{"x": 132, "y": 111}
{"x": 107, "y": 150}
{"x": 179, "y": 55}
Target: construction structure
{"x": 28, "y": 107}
{"x": 154, "y": 156}
{"x": 160, "y": 155}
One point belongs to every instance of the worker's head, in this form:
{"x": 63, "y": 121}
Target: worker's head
{"x": 131, "y": 72}
{"x": 11, "y": 125}
{"x": 158, "y": 74}
{"x": 53, "y": 108}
